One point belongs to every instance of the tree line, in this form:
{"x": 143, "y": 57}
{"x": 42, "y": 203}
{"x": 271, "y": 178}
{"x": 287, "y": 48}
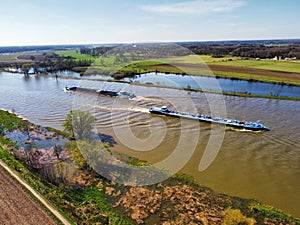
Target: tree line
{"x": 263, "y": 50}
{"x": 138, "y": 51}
{"x": 13, "y": 49}
{"x": 46, "y": 63}
{"x": 246, "y": 50}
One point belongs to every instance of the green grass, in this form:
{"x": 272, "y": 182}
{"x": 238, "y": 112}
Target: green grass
{"x": 272, "y": 212}
{"x": 281, "y": 66}
{"x": 210, "y": 59}
{"x": 75, "y": 55}
{"x": 108, "y": 65}
{"x": 93, "y": 202}
{"x": 190, "y": 59}
{"x": 144, "y": 64}
{"x": 65, "y": 134}
{"x": 165, "y": 66}
{"x": 9, "y": 121}
{"x": 196, "y": 59}
{"x": 254, "y": 77}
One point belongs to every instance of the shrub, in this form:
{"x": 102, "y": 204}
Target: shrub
{"x": 235, "y": 217}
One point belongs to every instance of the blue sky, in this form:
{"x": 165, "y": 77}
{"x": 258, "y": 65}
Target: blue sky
{"x": 37, "y": 22}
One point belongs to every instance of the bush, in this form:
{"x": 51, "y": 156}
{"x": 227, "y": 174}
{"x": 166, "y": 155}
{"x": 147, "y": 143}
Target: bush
{"x": 235, "y": 217}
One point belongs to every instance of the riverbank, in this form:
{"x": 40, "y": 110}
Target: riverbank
{"x": 218, "y": 71}
{"x": 178, "y": 200}
{"x": 270, "y": 71}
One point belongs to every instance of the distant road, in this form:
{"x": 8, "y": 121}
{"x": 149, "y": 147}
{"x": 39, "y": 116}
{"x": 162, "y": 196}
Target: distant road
{"x": 18, "y": 207}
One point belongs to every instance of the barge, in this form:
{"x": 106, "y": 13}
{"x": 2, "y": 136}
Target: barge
{"x": 121, "y": 94}
{"x": 253, "y": 126}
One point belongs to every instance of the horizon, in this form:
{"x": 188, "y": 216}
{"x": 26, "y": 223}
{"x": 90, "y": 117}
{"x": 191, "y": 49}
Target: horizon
{"x": 157, "y": 42}
{"x": 38, "y": 23}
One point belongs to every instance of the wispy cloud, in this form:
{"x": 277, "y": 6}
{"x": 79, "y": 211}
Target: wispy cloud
{"x": 197, "y": 7}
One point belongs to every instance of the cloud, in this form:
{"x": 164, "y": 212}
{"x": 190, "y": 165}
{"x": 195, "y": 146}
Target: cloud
{"x": 196, "y": 7}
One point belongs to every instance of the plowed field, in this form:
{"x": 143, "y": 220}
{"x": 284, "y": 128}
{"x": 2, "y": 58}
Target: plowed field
{"x": 17, "y": 206}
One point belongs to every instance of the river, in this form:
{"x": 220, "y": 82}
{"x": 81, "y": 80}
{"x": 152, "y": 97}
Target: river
{"x": 260, "y": 165}
{"x": 224, "y": 84}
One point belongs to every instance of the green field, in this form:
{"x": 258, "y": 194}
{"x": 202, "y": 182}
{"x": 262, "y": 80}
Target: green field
{"x": 195, "y": 59}
{"x": 192, "y": 65}
{"x": 76, "y": 55}
{"x": 281, "y": 66}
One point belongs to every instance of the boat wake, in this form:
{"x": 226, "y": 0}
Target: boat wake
{"x": 243, "y": 130}
{"x": 147, "y": 99}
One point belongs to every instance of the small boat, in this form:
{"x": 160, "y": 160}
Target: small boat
{"x": 254, "y": 126}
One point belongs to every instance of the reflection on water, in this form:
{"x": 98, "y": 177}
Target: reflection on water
{"x": 68, "y": 73}
{"x": 207, "y": 83}
{"x": 198, "y": 82}
{"x": 264, "y": 165}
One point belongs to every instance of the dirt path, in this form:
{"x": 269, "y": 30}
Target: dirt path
{"x": 18, "y": 207}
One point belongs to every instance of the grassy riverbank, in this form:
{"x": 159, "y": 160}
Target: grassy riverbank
{"x": 238, "y": 94}
{"x": 92, "y": 198}
{"x": 129, "y": 64}
{"x": 271, "y": 71}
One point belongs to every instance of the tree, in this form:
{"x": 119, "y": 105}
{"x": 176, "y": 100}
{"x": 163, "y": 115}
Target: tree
{"x": 26, "y": 68}
{"x": 76, "y": 155}
{"x": 57, "y": 173}
{"x": 79, "y": 124}
{"x": 86, "y": 155}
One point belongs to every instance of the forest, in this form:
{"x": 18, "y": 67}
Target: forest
{"x": 247, "y": 50}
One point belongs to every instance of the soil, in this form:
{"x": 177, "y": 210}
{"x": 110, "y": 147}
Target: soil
{"x": 233, "y": 69}
{"x": 18, "y": 207}
{"x": 268, "y": 73}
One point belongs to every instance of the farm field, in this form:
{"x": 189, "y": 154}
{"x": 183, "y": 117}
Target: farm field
{"x": 232, "y": 67}
{"x": 17, "y": 206}
{"x": 284, "y": 72}
{"x": 281, "y": 66}
{"x": 280, "y": 72}
{"x": 9, "y": 57}
{"x": 76, "y": 55}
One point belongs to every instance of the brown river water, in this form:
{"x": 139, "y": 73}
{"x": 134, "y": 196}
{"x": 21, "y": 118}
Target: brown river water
{"x": 261, "y": 165}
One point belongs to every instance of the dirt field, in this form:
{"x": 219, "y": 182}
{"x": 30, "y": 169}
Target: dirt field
{"x": 17, "y": 206}
{"x": 232, "y": 69}
{"x": 269, "y": 73}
